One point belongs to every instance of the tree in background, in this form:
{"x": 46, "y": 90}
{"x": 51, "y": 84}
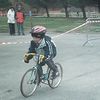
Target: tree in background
{"x": 46, "y": 4}
{"x": 5, "y": 3}
{"x": 80, "y": 4}
{"x": 98, "y": 3}
{"x": 83, "y": 3}
{"x": 65, "y": 4}
{"x": 39, "y": 3}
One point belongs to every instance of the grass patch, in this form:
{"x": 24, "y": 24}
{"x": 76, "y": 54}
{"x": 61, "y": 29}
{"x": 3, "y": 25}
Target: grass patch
{"x": 3, "y": 24}
{"x": 90, "y": 28}
{"x": 57, "y": 25}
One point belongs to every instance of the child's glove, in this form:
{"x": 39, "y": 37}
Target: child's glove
{"x": 27, "y": 57}
{"x": 42, "y": 58}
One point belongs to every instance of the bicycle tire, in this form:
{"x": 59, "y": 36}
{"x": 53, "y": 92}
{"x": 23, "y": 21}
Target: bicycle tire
{"x": 51, "y": 81}
{"x": 34, "y": 87}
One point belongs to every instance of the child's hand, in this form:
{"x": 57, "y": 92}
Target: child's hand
{"x": 42, "y": 58}
{"x": 26, "y": 61}
{"x": 27, "y": 57}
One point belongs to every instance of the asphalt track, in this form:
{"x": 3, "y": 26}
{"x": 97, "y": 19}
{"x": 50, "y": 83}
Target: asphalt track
{"x": 81, "y": 66}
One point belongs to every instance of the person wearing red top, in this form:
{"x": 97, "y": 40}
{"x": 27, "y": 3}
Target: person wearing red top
{"x": 20, "y": 20}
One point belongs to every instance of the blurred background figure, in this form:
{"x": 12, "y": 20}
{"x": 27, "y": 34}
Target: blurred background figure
{"x": 11, "y": 20}
{"x": 20, "y": 17}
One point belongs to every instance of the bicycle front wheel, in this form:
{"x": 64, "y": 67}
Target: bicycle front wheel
{"x": 29, "y": 82}
{"x": 54, "y": 83}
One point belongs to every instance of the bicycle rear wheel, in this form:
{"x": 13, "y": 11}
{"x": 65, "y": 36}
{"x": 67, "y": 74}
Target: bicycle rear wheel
{"x": 54, "y": 83}
{"x": 29, "y": 82}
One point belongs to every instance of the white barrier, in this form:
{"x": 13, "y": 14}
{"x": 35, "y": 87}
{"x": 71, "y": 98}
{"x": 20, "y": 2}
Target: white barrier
{"x": 90, "y": 21}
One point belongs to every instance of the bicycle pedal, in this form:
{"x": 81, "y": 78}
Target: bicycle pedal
{"x": 44, "y": 77}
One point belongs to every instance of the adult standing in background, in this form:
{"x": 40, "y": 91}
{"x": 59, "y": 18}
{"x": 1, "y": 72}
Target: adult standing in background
{"x": 11, "y": 20}
{"x": 20, "y": 17}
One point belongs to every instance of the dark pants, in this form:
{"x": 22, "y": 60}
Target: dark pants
{"x": 12, "y": 28}
{"x": 50, "y": 64}
{"x": 20, "y": 28}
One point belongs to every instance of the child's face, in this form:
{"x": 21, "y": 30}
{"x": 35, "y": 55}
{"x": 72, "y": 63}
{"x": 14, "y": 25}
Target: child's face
{"x": 36, "y": 40}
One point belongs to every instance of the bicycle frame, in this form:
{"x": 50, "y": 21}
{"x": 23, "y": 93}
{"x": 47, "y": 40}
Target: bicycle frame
{"x": 37, "y": 60}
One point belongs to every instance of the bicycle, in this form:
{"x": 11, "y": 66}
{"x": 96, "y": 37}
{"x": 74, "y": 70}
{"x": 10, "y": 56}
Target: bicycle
{"x": 31, "y": 80}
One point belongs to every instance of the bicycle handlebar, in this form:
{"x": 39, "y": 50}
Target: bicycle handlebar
{"x": 33, "y": 54}
{"x": 29, "y": 56}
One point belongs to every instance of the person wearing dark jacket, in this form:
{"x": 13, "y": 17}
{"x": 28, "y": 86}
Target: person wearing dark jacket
{"x": 42, "y": 45}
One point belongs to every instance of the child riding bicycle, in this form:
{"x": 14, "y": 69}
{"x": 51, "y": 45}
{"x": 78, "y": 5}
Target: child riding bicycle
{"x": 42, "y": 45}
